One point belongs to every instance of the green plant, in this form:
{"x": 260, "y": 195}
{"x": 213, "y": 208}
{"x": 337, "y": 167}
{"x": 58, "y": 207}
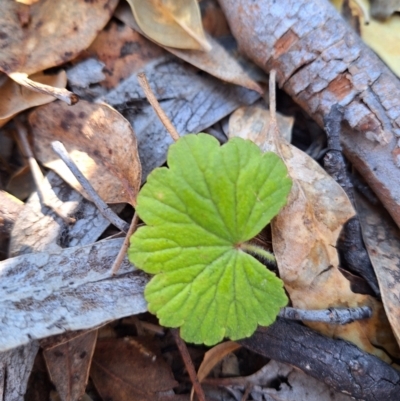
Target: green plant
{"x": 200, "y": 214}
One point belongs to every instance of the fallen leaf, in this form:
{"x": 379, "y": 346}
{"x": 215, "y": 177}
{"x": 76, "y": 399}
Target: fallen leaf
{"x": 53, "y": 36}
{"x": 293, "y": 385}
{"x": 215, "y": 355}
{"x": 191, "y": 101}
{"x": 217, "y": 61}
{"x": 99, "y": 140}
{"x": 304, "y": 238}
{"x": 246, "y": 123}
{"x": 130, "y": 369}
{"x": 45, "y": 294}
{"x": 382, "y": 239}
{"x": 69, "y": 363}
{"x": 15, "y": 98}
{"x": 174, "y": 23}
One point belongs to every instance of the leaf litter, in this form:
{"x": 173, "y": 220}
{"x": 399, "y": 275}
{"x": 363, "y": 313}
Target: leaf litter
{"x": 54, "y": 240}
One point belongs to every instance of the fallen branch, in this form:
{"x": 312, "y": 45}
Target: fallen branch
{"x": 320, "y": 62}
{"x": 337, "y": 363}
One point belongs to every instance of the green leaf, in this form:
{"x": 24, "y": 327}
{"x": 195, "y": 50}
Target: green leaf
{"x": 199, "y": 212}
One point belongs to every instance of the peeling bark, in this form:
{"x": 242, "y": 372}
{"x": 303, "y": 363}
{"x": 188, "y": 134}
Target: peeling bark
{"x": 321, "y": 62}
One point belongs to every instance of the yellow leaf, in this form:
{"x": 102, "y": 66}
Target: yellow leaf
{"x": 174, "y": 23}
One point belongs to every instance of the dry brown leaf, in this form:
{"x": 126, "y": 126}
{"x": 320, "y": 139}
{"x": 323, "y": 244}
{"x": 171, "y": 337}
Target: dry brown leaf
{"x": 52, "y": 35}
{"x": 99, "y": 140}
{"x": 123, "y": 51}
{"x": 382, "y": 239}
{"x": 68, "y": 365}
{"x": 15, "y": 98}
{"x": 304, "y": 240}
{"x": 130, "y": 369}
{"x": 217, "y": 62}
{"x": 174, "y": 23}
{"x": 212, "y": 357}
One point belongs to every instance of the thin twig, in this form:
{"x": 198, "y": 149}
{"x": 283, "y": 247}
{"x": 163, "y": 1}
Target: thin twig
{"x": 187, "y": 360}
{"x": 36, "y": 172}
{"x": 332, "y": 315}
{"x": 104, "y": 209}
{"x": 247, "y": 390}
{"x": 144, "y": 83}
{"x": 122, "y": 252}
{"x": 59, "y": 93}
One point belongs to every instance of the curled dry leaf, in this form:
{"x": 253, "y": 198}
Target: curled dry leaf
{"x": 304, "y": 236}
{"x": 15, "y": 98}
{"x": 99, "y": 140}
{"x": 53, "y": 34}
{"x": 217, "y": 61}
{"x": 174, "y": 23}
{"x": 382, "y": 239}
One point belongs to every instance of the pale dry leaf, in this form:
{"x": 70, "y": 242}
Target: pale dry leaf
{"x": 304, "y": 237}
{"x": 15, "y": 98}
{"x": 74, "y": 284}
{"x": 68, "y": 365}
{"x": 382, "y": 239}
{"x": 99, "y": 140}
{"x": 52, "y": 35}
{"x": 294, "y": 385}
{"x": 174, "y": 23}
{"x": 217, "y": 62}
{"x": 246, "y": 123}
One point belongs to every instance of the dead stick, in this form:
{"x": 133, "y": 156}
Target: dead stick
{"x": 104, "y": 209}
{"x": 59, "y": 93}
{"x": 122, "y": 252}
{"x": 187, "y": 360}
{"x": 332, "y": 315}
{"x": 144, "y": 83}
{"x": 350, "y": 242}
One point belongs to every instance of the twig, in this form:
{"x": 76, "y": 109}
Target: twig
{"x": 37, "y": 172}
{"x": 247, "y": 390}
{"x": 351, "y": 242}
{"x": 122, "y": 252}
{"x": 59, "y": 93}
{"x": 332, "y": 315}
{"x": 104, "y": 209}
{"x": 187, "y": 360}
{"x": 144, "y": 83}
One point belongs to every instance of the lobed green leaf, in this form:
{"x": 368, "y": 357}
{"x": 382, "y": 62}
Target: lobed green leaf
{"x": 198, "y": 212}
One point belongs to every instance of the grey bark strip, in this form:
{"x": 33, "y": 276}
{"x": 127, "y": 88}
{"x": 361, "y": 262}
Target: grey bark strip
{"x": 45, "y": 294}
{"x": 320, "y": 61}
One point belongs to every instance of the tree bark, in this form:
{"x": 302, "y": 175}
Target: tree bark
{"x": 337, "y": 363}
{"x": 320, "y": 62}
